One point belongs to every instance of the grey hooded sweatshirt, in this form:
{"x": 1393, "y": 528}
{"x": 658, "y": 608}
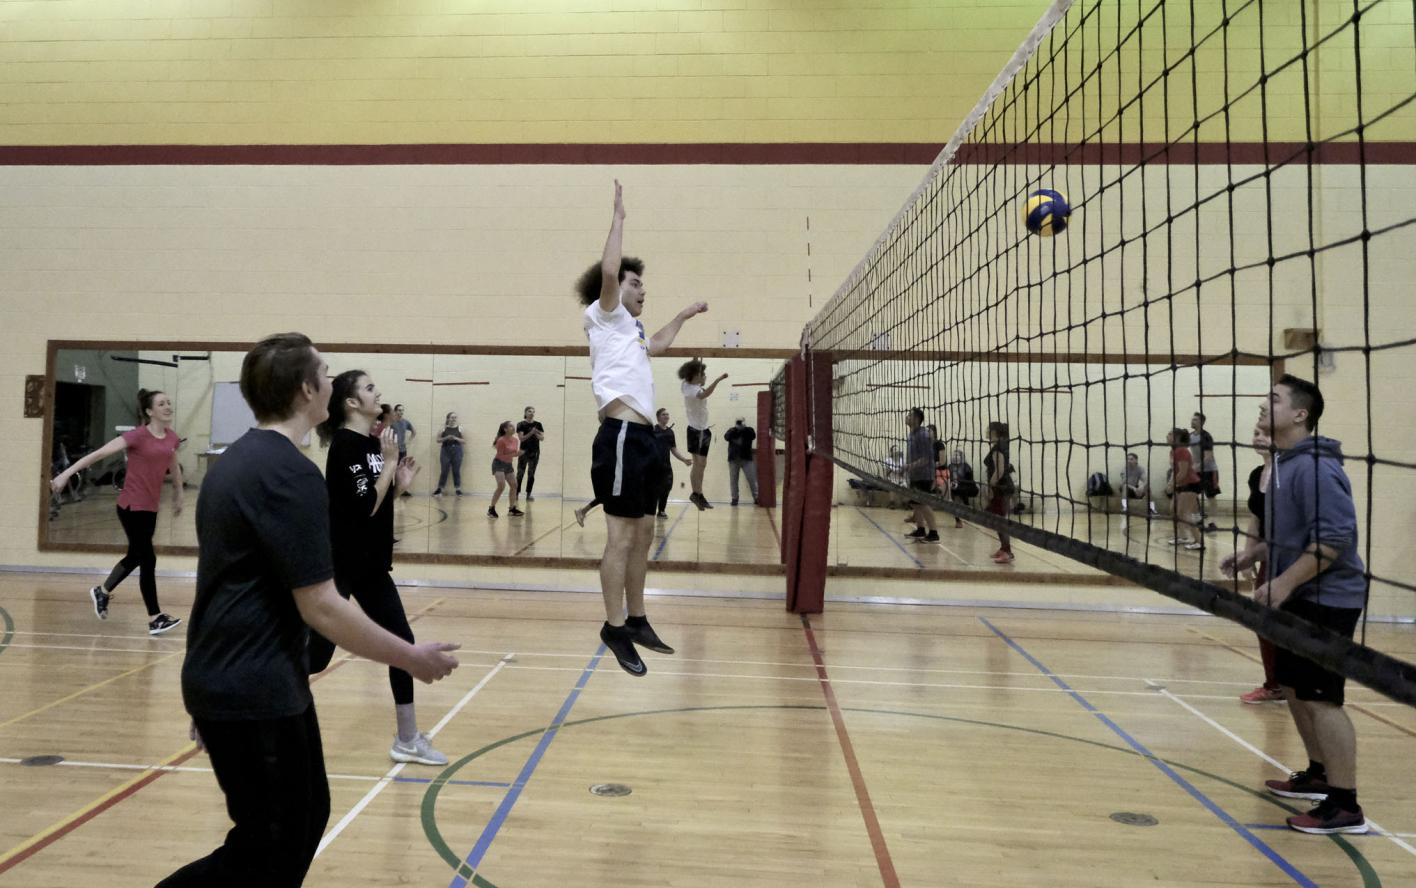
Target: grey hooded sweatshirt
{"x": 1310, "y": 501}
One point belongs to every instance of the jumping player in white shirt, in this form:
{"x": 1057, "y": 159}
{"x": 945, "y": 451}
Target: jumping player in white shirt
{"x": 625, "y": 466}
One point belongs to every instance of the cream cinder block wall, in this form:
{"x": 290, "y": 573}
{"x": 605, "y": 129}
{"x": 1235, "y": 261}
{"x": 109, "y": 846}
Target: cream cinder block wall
{"x": 452, "y": 255}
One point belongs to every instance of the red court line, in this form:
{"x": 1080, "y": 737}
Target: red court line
{"x": 130, "y": 789}
{"x": 867, "y": 810}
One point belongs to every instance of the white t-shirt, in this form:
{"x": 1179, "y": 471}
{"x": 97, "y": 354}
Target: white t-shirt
{"x": 619, "y": 359}
{"x": 694, "y": 407}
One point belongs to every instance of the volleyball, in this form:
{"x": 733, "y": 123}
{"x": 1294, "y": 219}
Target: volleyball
{"x": 1046, "y": 212}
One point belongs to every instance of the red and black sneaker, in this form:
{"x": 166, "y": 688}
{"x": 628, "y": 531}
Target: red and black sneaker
{"x": 1327, "y": 818}
{"x": 1299, "y": 785}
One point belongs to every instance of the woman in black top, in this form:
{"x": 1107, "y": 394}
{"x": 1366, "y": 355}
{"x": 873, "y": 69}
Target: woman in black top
{"x": 1270, "y": 691}
{"x": 1000, "y": 484}
{"x": 364, "y": 476}
{"x": 450, "y": 440}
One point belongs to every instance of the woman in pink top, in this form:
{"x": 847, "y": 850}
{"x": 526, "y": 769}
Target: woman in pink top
{"x": 508, "y": 445}
{"x": 152, "y": 452}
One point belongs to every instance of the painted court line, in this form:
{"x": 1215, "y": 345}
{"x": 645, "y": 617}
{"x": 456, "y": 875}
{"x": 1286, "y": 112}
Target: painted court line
{"x": 468, "y": 869}
{"x": 665, "y": 541}
{"x": 392, "y": 775}
{"x": 898, "y": 545}
{"x": 1224, "y": 816}
{"x": 1270, "y": 759}
{"x": 867, "y": 810}
{"x": 192, "y": 769}
{"x": 93, "y": 687}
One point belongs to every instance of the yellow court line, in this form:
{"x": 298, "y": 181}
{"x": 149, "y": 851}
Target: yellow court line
{"x": 93, "y": 687}
{"x": 66, "y": 824}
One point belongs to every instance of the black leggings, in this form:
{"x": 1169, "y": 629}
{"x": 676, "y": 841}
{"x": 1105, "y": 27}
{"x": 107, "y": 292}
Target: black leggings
{"x": 139, "y": 526}
{"x": 526, "y": 468}
{"x": 378, "y": 597}
{"x": 667, "y": 488}
{"x": 273, "y": 774}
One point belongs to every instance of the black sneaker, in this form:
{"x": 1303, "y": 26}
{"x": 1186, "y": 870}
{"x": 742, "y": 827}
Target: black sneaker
{"x": 733, "y": 503}
{"x": 699, "y": 500}
{"x": 162, "y": 623}
{"x": 1299, "y": 785}
{"x": 618, "y": 640}
{"x": 100, "y": 598}
{"x": 663, "y": 515}
{"x": 492, "y": 512}
{"x": 932, "y": 537}
{"x": 917, "y": 533}
{"x": 515, "y": 512}
{"x": 642, "y": 634}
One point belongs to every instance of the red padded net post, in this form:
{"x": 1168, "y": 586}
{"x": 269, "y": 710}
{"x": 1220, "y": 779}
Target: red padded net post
{"x": 766, "y": 453}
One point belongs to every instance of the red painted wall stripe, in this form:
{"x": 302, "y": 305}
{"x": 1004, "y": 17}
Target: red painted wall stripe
{"x": 804, "y": 153}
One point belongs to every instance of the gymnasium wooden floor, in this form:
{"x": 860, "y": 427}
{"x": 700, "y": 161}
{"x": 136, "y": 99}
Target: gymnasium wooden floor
{"x": 861, "y": 537}
{"x": 873, "y": 745}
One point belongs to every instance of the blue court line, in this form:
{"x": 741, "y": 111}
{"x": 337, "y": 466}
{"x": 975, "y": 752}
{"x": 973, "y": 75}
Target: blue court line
{"x": 491, "y": 783}
{"x": 897, "y": 543}
{"x": 484, "y": 843}
{"x": 665, "y": 541}
{"x": 1244, "y": 832}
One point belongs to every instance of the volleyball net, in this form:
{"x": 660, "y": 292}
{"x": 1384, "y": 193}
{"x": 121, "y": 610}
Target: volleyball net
{"x": 1235, "y": 180}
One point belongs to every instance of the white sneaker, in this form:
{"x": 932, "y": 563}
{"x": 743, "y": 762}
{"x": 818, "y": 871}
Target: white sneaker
{"x": 580, "y": 517}
{"x": 418, "y": 751}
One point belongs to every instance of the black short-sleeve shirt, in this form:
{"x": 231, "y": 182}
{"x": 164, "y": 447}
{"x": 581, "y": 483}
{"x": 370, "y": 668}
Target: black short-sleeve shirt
{"x": 532, "y": 444}
{"x": 740, "y": 440}
{"x": 359, "y": 539}
{"x": 1256, "y": 497}
{"x": 667, "y": 442}
{"x": 262, "y": 531}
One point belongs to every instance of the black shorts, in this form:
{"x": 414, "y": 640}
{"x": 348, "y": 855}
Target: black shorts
{"x": 626, "y": 469}
{"x": 1197, "y": 487}
{"x": 1308, "y": 680}
{"x": 922, "y": 486}
{"x": 698, "y": 441}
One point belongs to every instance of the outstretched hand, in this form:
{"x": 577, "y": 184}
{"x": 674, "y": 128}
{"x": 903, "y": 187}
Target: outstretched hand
{"x": 619, "y": 200}
{"x": 407, "y": 469}
{"x": 695, "y": 308}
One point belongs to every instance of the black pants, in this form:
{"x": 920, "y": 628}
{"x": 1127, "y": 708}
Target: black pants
{"x": 273, "y": 774}
{"x": 526, "y": 468}
{"x": 378, "y": 597}
{"x": 667, "y": 488}
{"x": 139, "y": 527}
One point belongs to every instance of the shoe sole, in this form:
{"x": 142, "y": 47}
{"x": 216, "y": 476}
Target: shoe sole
{"x": 97, "y": 611}
{"x": 1357, "y": 829}
{"x": 1263, "y": 701}
{"x": 1288, "y": 794}
{"x": 406, "y": 759}
{"x": 660, "y": 648}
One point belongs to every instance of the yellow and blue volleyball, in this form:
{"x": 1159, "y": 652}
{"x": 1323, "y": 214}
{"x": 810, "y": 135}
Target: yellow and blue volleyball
{"x": 1046, "y": 212}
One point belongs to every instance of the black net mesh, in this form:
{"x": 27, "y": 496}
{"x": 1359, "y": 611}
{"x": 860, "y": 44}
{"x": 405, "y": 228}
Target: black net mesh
{"x": 1240, "y": 188}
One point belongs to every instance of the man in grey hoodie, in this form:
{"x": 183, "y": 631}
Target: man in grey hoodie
{"x": 1310, "y": 547}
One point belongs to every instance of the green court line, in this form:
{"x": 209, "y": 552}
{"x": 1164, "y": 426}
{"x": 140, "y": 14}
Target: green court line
{"x": 9, "y": 630}
{"x": 1370, "y": 879}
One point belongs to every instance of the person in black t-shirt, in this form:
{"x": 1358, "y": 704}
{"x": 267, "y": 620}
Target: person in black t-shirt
{"x": 998, "y": 468}
{"x": 531, "y": 433}
{"x": 364, "y": 475}
{"x": 740, "y": 439}
{"x": 265, "y": 573}
{"x": 1270, "y": 691}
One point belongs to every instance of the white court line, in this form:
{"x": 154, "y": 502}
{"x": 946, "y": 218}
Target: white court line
{"x": 1271, "y": 760}
{"x": 189, "y": 769}
{"x": 394, "y": 771}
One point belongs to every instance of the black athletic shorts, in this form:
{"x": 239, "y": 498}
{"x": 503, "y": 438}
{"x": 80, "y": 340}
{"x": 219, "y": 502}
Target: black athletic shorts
{"x": 626, "y": 469}
{"x": 922, "y": 486}
{"x": 1308, "y": 680}
{"x": 1197, "y": 487}
{"x": 698, "y": 441}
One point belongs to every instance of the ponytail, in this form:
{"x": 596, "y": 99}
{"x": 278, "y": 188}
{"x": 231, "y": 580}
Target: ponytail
{"x": 344, "y": 387}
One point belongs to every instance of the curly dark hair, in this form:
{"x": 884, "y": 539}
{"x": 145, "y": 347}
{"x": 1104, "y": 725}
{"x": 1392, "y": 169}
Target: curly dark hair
{"x": 587, "y": 289}
{"x": 691, "y": 369}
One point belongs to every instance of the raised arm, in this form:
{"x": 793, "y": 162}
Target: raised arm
{"x": 610, "y": 259}
{"x": 117, "y": 445}
{"x": 708, "y": 390}
{"x": 662, "y": 340}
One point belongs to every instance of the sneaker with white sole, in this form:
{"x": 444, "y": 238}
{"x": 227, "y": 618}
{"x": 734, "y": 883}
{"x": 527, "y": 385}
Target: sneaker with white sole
{"x": 100, "y": 597}
{"x": 162, "y": 623}
{"x": 1327, "y": 819}
{"x": 418, "y": 751}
